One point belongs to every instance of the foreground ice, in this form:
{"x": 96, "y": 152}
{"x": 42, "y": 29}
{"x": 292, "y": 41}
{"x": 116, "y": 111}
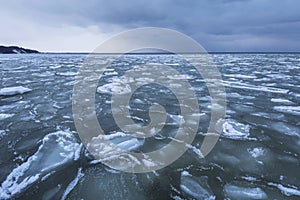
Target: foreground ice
{"x": 196, "y": 187}
{"x": 14, "y": 90}
{"x": 239, "y": 192}
{"x": 57, "y": 150}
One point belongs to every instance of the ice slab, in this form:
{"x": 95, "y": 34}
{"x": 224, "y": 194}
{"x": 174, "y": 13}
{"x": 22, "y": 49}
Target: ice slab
{"x": 196, "y": 187}
{"x": 57, "y": 150}
{"x": 14, "y": 90}
{"x": 239, "y": 192}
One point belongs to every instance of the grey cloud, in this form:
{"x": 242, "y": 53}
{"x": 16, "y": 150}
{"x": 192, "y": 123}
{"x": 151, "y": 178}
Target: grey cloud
{"x": 217, "y": 24}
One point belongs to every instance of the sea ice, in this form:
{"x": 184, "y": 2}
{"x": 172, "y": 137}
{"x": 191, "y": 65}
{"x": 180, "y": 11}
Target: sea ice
{"x": 196, "y": 187}
{"x": 294, "y": 110}
{"x": 5, "y": 116}
{"x": 285, "y": 101}
{"x": 67, "y": 73}
{"x": 235, "y": 130}
{"x": 288, "y": 191}
{"x": 113, "y": 148}
{"x": 114, "y": 87}
{"x": 239, "y": 192}
{"x": 256, "y": 152}
{"x": 2, "y": 133}
{"x": 56, "y": 150}
{"x": 14, "y": 90}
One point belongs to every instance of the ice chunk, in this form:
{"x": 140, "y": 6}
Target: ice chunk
{"x": 293, "y": 110}
{"x": 56, "y": 150}
{"x": 285, "y": 101}
{"x": 117, "y": 86}
{"x": 239, "y": 192}
{"x": 114, "y": 148}
{"x": 5, "y": 116}
{"x": 235, "y": 130}
{"x": 256, "y": 152}
{"x": 114, "y": 88}
{"x": 248, "y": 178}
{"x": 2, "y": 133}
{"x": 195, "y": 150}
{"x": 124, "y": 141}
{"x": 67, "y": 73}
{"x": 288, "y": 191}
{"x": 14, "y": 90}
{"x": 196, "y": 187}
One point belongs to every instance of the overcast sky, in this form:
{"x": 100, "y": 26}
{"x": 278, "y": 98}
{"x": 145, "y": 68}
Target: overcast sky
{"x": 218, "y": 25}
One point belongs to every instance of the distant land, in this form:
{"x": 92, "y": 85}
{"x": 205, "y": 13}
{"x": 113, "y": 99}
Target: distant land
{"x": 15, "y": 50}
{"x": 21, "y": 50}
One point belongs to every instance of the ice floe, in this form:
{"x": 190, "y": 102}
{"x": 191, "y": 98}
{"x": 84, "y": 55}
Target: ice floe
{"x": 285, "y": 101}
{"x": 240, "y": 192}
{"x": 256, "y": 152}
{"x": 2, "y": 133}
{"x": 117, "y": 86}
{"x": 196, "y": 187}
{"x": 5, "y": 116}
{"x": 115, "y": 147}
{"x": 241, "y": 76}
{"x": 294, "y": 110}
{"x": 57, "y": 149}
{"x": 235, "y": 130}
{"x": 67, "y": 73}
{"x": 14, "y": 90}
{"x": 288, "y": 191}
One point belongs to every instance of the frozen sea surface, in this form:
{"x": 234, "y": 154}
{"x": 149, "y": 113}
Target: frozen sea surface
{"x": 256, "y": 157}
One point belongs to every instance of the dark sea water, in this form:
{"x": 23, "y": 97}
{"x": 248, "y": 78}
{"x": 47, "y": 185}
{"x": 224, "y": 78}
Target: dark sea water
{"x": 256, "y": 157}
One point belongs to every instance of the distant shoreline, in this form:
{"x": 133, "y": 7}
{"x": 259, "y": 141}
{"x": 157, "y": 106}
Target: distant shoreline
{"x": 16, "y": 50}
{"x": 21, "y": 50}
{"x": 172, "y": 53}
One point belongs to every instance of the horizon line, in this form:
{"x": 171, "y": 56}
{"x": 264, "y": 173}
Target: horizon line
{"x": 208, "y": 52}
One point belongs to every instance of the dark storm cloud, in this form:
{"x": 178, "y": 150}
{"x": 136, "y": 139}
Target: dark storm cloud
{"x": 220, "y": 25}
